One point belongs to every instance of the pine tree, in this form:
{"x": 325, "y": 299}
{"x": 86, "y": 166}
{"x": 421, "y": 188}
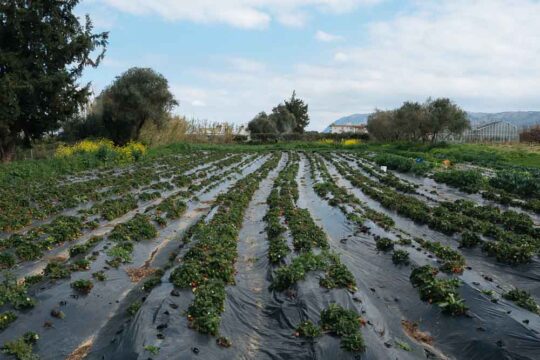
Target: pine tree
{"x": 43, "y": 51}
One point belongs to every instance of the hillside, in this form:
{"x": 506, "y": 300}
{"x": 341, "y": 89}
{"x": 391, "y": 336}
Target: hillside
{"x": 518, "y": 118}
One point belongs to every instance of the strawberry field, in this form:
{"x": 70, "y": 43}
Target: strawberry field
{"x": 272, "y": 254}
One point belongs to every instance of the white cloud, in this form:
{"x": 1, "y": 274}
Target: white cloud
{"x": 249, "y": 14}
{"x": 327, "y": 37}
{"x": 246, "y": 65}
{"x": 481, "y": 53}
{"x": 198, "y": 103}
{"x": 341, "y": 57}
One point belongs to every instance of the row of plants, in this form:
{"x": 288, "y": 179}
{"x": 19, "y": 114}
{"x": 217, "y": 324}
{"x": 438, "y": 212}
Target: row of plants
{"x": 36, "y": 241}
{"x": 523, "y": 299}
{"x": 505, "y": 245}
{"x": 306, "y": 236}
{"x": 339, "y": 197}
{"x": 502, "y": 188}
{"x": 452, "y": 261}
{"x": 387, "y": 178}
{"x": 124, "y": 235}
{"x": 33, "y": 244}
{"x": 209, "y": 264}
{"x": 28, "y": 200}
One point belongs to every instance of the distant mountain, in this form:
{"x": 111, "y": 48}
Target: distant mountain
{"x": 355, "y": 119}
{"x": 519, "y": 118}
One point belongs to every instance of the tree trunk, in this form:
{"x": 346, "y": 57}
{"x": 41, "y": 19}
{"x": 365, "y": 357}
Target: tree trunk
{"x": 7, "y": 151}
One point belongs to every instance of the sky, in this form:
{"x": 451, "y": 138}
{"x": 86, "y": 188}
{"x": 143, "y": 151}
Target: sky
{"x": 227, "y": 60}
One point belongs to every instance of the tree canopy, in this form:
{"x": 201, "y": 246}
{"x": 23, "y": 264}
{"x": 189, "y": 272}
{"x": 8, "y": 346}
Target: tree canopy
{"x": 286, "y": 118}
{"x": 43, "y": 50}
{"x": 299, "y": 109}
{"x": 135, "y": 98}
{"x": 435, "y": 119}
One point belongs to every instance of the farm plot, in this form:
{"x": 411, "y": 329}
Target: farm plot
{"x": 267, "y": 255}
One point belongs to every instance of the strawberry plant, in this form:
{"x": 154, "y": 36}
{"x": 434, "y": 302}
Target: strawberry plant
{"x": 83, "y": 286}
{"x": 343, "y": 323}
{"x": 442, "y": 292}
{"x": 384, "y": 244}
{"x": 400, "y": 257}
{"x": 23, "y": 347}
{"x": 523, "y": 299}
{"x": 308, "y": 330}
{"x": 6, "y": 318}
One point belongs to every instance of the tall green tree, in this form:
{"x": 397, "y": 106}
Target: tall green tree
{"x": 137, "y": 96}
{"x": 44, "y": 49}
{"x": 261, "y": 124}
{"x": 446, "y": 117}
{"x": 284, "y": 120}
{"x": 431, "y": 121}
{"x": 299, "y": 109}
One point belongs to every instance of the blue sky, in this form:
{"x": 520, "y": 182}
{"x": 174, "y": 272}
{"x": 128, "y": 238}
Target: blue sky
{"x": 227, "y": 60}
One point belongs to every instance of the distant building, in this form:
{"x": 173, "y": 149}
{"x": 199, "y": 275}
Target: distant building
{"x": 496, "y": 131}
{"x": 348, "y": 128}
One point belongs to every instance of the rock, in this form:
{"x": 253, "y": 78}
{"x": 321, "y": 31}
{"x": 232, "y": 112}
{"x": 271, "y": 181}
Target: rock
{"x": 173, "y": 306}
{"x": 526, "y": 321}
{"x": 160, "y": 336}
{"x": 161, "y": 326}
{"x": 195, "y": 350}
{"x": 175, "y": 292}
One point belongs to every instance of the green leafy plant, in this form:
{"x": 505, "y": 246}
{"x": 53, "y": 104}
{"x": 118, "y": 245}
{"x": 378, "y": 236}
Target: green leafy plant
{"x": 83, "y": 286}
{"x": 344, "y": 323}
{"x": 400, "y": 257}
{"x": 23, "y": 347}
{"x": 154, "y": 350}
{"x": 308, "y": 330}
{"x": 523, "y": 299}
{"x": 384, "y": 244}
{"x": 7, "y": 318}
